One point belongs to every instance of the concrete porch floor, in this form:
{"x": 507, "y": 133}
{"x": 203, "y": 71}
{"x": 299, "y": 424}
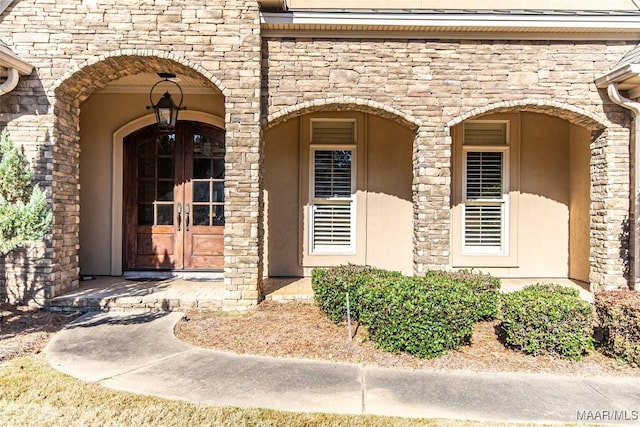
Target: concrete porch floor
{"x": 119, "y": 294}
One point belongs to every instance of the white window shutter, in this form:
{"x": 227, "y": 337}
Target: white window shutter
{"x": 332, "y": 192}
{"x": 485, "y": 133}
{"x": 485, "y": 194}
{"x": 483, "y": 225}
{"x": 332, "y": 225}
{"x": 333, "y": 132}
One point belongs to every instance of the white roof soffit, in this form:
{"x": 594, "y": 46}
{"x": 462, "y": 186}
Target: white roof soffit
{"x": 484, "y": 24}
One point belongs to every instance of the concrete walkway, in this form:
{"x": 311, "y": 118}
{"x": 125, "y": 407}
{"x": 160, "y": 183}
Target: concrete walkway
{"x": 138, "y": 352}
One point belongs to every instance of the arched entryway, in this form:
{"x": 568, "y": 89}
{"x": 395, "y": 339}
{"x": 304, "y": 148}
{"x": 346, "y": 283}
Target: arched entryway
{"x": 94, "y": 119}
{"x": 173, "y": 216}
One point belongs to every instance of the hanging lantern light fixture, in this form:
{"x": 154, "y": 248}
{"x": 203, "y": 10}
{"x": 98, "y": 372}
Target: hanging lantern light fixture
{"x": 165, "y": 109}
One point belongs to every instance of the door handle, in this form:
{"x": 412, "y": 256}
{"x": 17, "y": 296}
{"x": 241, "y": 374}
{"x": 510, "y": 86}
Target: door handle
{"x": 179, "y": 211}
{"x": 186, "y": 219}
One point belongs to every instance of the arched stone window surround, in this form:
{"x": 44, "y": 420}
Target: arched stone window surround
{"x": 342, "y": 104}
{"x": 607, "y": 172}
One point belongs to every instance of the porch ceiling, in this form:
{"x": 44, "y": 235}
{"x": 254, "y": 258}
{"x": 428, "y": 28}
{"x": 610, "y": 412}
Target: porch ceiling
{"x": 142, "y": 83}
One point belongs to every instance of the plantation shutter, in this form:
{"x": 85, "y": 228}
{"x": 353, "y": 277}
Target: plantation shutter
{"x": 332, "y": 190}
{"x": 485, "y": 195}
{"x": 485, "y": 133}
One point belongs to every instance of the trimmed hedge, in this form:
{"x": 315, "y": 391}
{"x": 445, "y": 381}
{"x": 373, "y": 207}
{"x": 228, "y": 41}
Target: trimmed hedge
{"x": 547, "y": 319}
{"x": 424, "y": 317}
{"x": 330, "y": 286}
{"x": 618, "y": 315}
{"x": 484, "y": 286}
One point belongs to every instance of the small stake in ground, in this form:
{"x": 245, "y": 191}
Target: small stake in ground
{"x": 349, "y": 318}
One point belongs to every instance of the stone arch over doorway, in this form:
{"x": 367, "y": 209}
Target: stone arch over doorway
{"x": 68, "y": 94}
{"x": 608, "y": 185}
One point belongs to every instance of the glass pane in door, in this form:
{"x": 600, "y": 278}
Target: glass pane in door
{"x": 156, "y": 182}
{"x": 208, "y": 179}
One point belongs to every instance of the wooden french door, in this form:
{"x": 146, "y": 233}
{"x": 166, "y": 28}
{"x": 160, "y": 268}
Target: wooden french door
{"x": 174, "y": 198}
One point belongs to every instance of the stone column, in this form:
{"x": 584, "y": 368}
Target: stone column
{"x": 609, "y": 209}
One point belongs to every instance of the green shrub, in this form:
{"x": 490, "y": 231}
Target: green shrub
{"x": 421, "y": 316}
{"x": 547, "y": 319}
{"x": 618, "y": 314}
{"x": 25, "y": 217}
{"x": 330, "y": 286}
{"x": 484, "y": 286}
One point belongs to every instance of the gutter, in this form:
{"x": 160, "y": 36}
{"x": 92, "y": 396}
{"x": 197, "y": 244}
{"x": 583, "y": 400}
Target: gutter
{"x": 381, "y": 23}
{"x": 617, "y": 98}
{"x": 11, "y": 82}
{"x": 15, "y": 68}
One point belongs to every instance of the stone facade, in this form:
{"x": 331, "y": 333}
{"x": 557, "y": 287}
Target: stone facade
{"x": 437, "y": 84}
{"x": 426, "y": 85}
{"x": 78, "y": 49}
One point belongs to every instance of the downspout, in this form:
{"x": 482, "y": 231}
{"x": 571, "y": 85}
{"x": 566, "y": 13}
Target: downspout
{"x": 11, "y": 82}
{"x": 617, "y": 98}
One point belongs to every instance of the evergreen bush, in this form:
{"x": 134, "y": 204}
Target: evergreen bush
{"x": 424, "y": 316}
{"x": 547, "y": 319}
{"x": 330, "y": 286}
{"x": 24, "y": 214}
{"x": 485, "y": 287}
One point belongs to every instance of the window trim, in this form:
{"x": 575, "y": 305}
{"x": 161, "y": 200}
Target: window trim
{"x": 351, "y": 201}
{"x": 504, "y": 201}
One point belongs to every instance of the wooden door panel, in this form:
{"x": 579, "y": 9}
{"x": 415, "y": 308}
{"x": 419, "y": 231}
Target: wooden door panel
{"x": 160, "y": 171}
{"x": 207, "y": 248}
{"x": 208, "y": 262}
{"x": 206, "y": 243}
{"x": 204, "y": 195}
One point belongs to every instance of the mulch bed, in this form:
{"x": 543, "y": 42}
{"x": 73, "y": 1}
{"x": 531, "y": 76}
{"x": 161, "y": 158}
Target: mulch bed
{"x": 26, "y": 330}
{"x": 303, "y": 331}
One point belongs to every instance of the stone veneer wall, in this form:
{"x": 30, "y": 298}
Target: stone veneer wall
{"x": 441, "y": 83}
{"x": 78, "y": 49}
{"x": 427, "y": 85}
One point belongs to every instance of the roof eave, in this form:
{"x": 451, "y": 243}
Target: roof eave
{"x": 619, "y": 75}
{"x": 8, "y": 60}
{"x": 625, "y": 26}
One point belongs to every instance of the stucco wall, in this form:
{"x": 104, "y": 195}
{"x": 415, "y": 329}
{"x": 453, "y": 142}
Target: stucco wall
{"x": 579, "y": 194}
{"x": 282, "y": 207}
{"x": 100, "y": 116}
{"x": 384, "y": 225}
{"x": 543, "y": 246}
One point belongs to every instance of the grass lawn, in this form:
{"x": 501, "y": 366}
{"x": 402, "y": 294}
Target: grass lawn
{"x": 34, "y": 394}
